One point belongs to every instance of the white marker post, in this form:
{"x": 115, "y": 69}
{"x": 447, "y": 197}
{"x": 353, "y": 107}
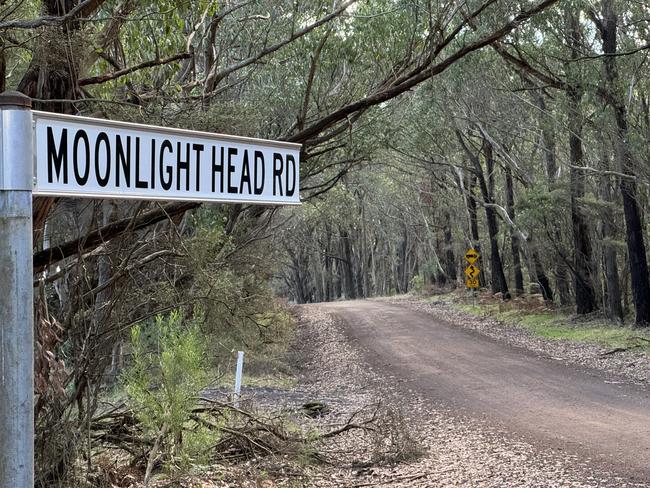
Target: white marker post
{"x": 16, "y": 293}
{"x": 238, "y": 376}
{"x": 83, "y": 157}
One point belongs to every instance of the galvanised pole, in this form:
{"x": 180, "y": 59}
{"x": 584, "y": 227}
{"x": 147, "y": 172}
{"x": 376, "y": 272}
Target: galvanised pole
{"x": 16, "y": 293}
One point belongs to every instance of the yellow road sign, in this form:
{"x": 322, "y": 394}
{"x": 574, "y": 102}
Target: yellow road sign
{"x": 472, "y": 272}
{"x": 472, "y": 256}
{"x": 472, "y": 282}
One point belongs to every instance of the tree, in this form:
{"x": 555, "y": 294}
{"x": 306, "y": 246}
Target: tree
{"x": 607, "y": 25}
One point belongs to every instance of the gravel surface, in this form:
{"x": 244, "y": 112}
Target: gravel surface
{"x": 454, "y": 451}
{"x": 631, "y": 365}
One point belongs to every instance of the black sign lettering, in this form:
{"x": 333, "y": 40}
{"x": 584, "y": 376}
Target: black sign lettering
{"x": 82, "y": 178}
{"x": 290, "y": 176}
{"x": 139, "y": 183}
{"x": 102, "y": 139}
{"x": 278, "y": 164}
{"x": 123, "y": 161}
{"x": 198, "y": 149}
{"x": 183, "y": 165}
{"x": 259, "y": 172}
{"x": 217, "y": 167}
{"x": 165, "y": 183}
{"x": 152, "y": 164}
{"x": 57, "y": 158}
{"x": 232, "y": 151}
{"x": 245, "y": 175}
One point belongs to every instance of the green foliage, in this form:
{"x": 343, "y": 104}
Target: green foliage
{"x": 417, "y": 283}
{"x": 164, "y": 382}
{"x": 235, "y": 307}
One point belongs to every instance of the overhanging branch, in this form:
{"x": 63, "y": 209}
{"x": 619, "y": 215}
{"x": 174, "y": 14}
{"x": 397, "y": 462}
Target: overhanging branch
{"x": 55, "y": 254}
{"x": 387, "y": 93}
{"x": 94, "y": 80}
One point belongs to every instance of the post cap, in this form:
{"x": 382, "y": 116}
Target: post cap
{"x": 15, "y": 99}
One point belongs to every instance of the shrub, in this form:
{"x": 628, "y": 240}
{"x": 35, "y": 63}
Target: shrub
{"x": 417, "y": 283}
{"x": 163, "y": 385}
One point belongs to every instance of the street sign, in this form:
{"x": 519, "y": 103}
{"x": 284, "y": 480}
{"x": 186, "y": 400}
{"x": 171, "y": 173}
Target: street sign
{"x": 96, "y": 158}
{"x": 62, "y": 155}
{"x": 472, "y": 271}
{"x": 472, "y": 282}
{"x": 472, "y": 256}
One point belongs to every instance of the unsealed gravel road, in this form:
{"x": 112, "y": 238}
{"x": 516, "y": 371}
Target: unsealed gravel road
{"x": 551, "y": 404}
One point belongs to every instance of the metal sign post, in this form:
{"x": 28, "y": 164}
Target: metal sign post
{"x": 16, "y": 293}
{"x": 84, "y": 157}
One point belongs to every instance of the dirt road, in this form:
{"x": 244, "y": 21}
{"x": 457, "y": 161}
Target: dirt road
{"x": 549, "y": 403}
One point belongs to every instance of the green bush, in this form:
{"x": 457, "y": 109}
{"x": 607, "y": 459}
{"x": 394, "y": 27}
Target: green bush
{"x": 163, "y": 385}
{"x": 417, "y": 283}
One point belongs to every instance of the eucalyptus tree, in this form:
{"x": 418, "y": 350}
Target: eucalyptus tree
{"x": 613, "y": 92}
{"x": 369, "y": 236}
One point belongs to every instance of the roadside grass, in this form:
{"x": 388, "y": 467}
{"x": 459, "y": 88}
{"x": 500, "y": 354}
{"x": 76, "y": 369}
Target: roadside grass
{"x": 552, "y": 324}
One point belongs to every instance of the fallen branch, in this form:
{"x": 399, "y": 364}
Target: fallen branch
{"x": 614, "y": 351}
{"x": 350, "y": 425}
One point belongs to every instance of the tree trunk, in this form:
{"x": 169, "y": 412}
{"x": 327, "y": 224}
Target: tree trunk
{"x": 401, "y": 282}
{"x": 499, "y": 283}
{"x": 348, "y": 273}
{"x": 583, "y": 255}
{"x": 514, "y": 238}
{"x": 542, "y": 279}
{"x": 633, "y": 221}
{"x": 612, "y": 298}
{"x": 450, "y": 259}
{"x": 548, "y": 145}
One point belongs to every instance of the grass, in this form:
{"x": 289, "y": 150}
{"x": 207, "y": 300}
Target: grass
{"x": 558, "y": 326}
{"x": 440, "y": 298}
{"x": 608, "y": 335}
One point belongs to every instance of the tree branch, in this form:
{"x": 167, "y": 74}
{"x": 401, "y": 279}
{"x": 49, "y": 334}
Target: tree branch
{"x": 523, "y": 66}
{"x": 84, "y": 9}
{"x": 394, "y": 90}
{"x": 54, "y": 254}
{"x": 271, "y": 49}
{"x": 94, "y": 80}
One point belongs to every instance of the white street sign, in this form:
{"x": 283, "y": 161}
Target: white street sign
{"x": 85, "y": 157}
